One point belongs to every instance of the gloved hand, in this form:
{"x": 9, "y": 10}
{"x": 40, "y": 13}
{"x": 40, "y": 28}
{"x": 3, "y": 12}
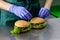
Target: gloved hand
{"x": 44, "y": 12}
{"x": 20, "y": 12}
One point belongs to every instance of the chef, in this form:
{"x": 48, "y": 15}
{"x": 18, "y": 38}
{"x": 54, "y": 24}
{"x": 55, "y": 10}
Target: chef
{"x": 12, "y": 10}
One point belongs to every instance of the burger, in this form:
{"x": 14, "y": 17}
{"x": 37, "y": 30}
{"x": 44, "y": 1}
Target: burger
{"x": 38, "y": 23}
{"x": 21, "y": 26}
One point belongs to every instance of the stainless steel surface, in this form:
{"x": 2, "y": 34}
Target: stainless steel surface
{"x": 51, "y": 32}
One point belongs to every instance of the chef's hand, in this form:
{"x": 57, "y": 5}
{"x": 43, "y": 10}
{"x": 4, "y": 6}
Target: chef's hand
{"x": 44, "y": 12}
{"x": 20, "y": 12}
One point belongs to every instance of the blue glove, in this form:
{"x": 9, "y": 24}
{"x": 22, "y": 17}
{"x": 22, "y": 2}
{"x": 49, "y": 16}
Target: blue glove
{"x": 20, "y": 12}
{"x": 44, "y": 12}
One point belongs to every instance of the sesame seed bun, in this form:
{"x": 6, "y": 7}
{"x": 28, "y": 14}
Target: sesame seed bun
{"x": 21, "y": 23}
{"x": 37, "y": 20}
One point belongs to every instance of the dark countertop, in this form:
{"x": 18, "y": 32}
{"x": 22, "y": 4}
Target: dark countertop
{"x": 50, "y": 32}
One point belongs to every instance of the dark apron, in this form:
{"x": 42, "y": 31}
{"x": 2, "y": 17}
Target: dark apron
{"x": 32, "y": 6}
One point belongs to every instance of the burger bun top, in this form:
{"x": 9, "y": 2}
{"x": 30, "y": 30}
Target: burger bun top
{"x": 37, "y": 20}
{"x": 21, "y": 23}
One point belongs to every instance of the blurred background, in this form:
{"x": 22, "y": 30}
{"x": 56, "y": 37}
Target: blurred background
{"x": 55, "y": 2}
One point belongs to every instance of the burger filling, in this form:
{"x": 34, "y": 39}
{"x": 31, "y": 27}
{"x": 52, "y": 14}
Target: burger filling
{"x": 39, "y": 24}
{"x": 19, "y": 30}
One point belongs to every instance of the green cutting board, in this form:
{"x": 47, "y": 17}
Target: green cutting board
{"x": 55, "y": 11}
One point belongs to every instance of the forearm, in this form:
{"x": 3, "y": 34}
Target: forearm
{"x": 1, "y": 0}
{"x": 5, "y": 5}
{"x": 48, "y": 4}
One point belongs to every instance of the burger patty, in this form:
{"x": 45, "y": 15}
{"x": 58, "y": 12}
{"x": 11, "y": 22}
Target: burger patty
{"x": 39, "y": 24}
{"x": 24, "y": 28}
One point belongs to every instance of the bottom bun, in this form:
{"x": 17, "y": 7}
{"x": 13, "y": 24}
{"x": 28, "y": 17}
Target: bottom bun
{"x": 24, "y": 31}
{"x": 41, "y": 27}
